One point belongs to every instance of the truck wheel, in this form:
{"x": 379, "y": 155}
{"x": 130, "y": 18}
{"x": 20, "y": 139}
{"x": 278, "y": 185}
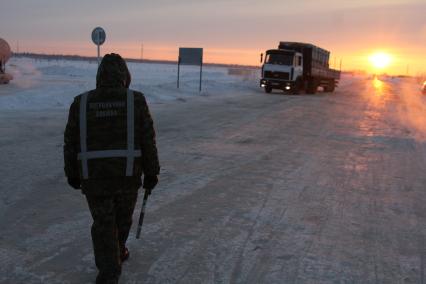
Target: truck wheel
{"x": 298, "y": 86}
{"x": 268, "y": 89}
{"x": 312, "y": 86}
{"x": 329, "y": 87}
{"x": 332, "y": 86}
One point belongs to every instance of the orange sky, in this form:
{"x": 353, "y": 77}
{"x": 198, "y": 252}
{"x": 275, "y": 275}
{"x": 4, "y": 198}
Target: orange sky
{"x": 233, "y": 32}
{"x": 402, "y": 57}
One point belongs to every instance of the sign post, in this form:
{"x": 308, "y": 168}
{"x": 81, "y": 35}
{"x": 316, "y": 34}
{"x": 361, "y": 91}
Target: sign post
{"x": 178, "y": 78}
{"x": 98, "y": 38}
{"x": 191, "y": 56}
{"x": 201, "y": 71}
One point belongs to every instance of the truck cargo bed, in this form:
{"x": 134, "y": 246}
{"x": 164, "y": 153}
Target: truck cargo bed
{"x": 315, "y": 59}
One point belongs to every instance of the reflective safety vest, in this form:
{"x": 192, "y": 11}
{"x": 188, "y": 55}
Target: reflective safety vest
{"x": 101, "y": 156}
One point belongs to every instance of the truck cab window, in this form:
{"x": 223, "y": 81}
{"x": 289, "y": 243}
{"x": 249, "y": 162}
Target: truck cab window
{"x": 280, "y": 59}
{"x": 267, "y": 58}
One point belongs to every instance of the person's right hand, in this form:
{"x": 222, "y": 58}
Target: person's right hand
{"x": 74, "y": 183}
{"x": 149, "y": 182}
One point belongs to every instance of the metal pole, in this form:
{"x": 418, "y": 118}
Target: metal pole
{"x": 201, "y": 72}
{"x": 142, "y": 52}
{"x": 99, "y": 48}
{"x": 178, "y": 78}
{"x": 142, "y": 214}
{"x": 99, "y": 54}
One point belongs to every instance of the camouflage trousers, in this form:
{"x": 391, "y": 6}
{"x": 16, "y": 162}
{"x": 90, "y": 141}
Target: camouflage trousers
{"x": 112, "y": 219}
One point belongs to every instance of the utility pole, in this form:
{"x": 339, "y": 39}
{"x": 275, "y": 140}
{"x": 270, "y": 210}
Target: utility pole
{"x": 17, "y": 46}
{"x": 408, "y": 69}
{"x": 142, "y": 52}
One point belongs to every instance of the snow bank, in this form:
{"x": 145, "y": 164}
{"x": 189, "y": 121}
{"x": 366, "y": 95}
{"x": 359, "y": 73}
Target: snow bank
{"x": 46, "y": 84}
{"x": 43, "y": 84}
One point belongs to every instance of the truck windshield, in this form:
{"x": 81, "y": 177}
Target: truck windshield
{"x": 279, "y": 58}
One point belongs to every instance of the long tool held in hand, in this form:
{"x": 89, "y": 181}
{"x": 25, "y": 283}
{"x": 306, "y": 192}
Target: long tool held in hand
{"x": 142, "y": 215}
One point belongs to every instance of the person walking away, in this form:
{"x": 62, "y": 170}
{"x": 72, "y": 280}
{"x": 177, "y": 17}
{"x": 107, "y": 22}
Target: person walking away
{"x": 109, "y": 144}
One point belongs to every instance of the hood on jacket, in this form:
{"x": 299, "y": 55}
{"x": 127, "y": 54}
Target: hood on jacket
{"x": 113, "y": 72}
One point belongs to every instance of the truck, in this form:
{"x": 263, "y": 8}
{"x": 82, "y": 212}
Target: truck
{"x": 296, "y": 67}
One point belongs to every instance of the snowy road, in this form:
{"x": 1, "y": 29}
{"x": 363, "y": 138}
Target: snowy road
{"x": 255, "y": 188}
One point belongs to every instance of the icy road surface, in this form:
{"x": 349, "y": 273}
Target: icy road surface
{"x": 254, "y": 188}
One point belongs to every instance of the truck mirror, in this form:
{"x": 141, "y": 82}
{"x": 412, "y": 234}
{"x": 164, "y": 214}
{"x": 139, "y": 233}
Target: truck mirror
{"x": 261, "y": 58}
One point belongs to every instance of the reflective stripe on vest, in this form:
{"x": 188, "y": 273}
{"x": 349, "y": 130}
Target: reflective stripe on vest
{"x": 130, "y": 154}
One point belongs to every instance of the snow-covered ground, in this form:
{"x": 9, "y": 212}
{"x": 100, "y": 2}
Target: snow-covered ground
{"x": 254, "y": 188}
{"x": 42, "y": 84}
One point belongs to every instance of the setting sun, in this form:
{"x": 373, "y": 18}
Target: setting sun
{"x": 380, "y": 60}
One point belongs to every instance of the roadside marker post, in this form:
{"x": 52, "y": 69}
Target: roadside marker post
{"x": 98, "y": 38}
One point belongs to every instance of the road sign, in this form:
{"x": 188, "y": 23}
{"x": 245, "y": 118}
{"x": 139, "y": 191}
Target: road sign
{"x": 98, "y": 36}
{"x": 190, "y": 56}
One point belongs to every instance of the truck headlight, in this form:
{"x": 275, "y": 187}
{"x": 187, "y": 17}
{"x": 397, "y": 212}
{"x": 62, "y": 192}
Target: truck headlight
{"x": 287, "y": 87}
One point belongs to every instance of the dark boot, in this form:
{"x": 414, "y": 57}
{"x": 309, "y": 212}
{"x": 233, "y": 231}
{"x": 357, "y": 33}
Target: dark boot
{"x": 103, "y": 278}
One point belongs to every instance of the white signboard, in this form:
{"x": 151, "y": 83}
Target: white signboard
{"x": 191, "y": 56}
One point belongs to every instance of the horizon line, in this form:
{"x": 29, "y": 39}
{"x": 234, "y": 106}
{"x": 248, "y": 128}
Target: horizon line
{"x": 76, "y": 57}
{"x": 95, "y": 58}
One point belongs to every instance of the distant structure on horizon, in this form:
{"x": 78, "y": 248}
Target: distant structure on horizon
{"x": 5, "y": 54}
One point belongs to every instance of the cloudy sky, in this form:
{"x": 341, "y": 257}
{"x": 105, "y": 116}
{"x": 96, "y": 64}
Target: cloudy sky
{"x": 231, "y": 31}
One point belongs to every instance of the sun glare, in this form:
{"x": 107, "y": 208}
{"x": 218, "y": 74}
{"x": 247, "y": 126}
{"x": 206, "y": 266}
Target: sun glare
{"x": 377, "y": 83}
{"x": 380, "y": 60}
